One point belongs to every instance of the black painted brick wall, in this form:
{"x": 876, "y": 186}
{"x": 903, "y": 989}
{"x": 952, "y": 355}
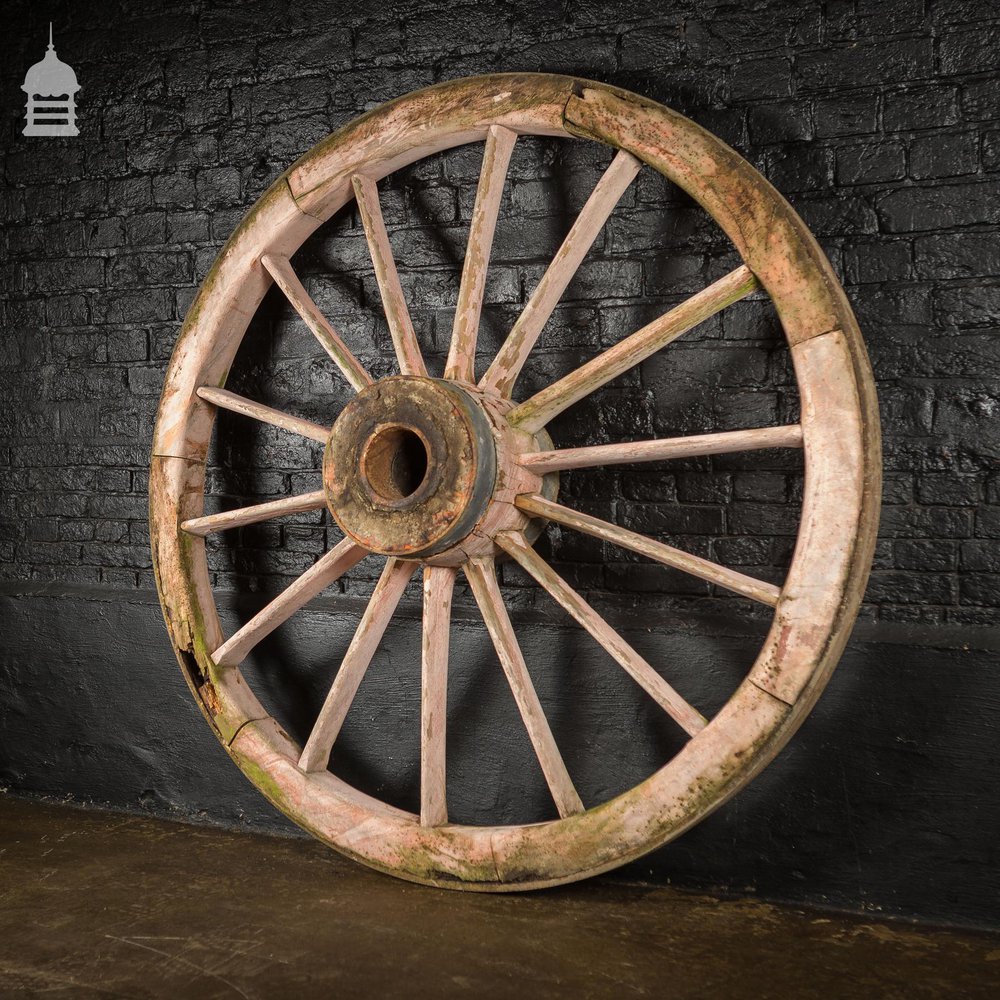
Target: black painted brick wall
{"x": 879, "y": 120}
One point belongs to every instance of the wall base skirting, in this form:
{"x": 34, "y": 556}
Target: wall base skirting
{"x": 884, "y": 801}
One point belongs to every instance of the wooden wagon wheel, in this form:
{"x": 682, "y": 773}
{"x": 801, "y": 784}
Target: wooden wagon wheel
{"x": 446, "y": 474}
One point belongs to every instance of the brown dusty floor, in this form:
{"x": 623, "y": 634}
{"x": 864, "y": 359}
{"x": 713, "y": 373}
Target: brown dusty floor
{"x": 102, "y": 905}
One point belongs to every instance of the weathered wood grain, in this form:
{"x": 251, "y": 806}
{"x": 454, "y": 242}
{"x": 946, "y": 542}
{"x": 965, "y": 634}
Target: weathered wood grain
{"x": 288, "y": 281}
{"x": 704, "y": 569}
{"x": 722, "y": 443}
{"x": 397, "y": 315}
{"x": 465, "y": 330}
{"x": 252, "y": 515}
{"x": 639, "y": 669}
{"x": 266, "y": 414}
{"x": 506, "y": 367}
{"x": 313, "y": 581}
{"x": 388, "y": 590}
{"x": 439, "y": 584}
{"x": 482, "y": 577}
{"x": 828, "y": 537}
{"x": 534, "y": 413}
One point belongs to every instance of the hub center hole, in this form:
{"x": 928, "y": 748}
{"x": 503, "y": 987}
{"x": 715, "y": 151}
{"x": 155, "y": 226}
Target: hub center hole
{"x": 395, "y": 463}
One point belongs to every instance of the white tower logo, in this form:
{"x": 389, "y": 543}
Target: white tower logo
{"x": 51, "y": 87}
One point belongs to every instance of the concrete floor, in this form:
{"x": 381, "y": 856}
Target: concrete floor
{"x": 104, "y": 905}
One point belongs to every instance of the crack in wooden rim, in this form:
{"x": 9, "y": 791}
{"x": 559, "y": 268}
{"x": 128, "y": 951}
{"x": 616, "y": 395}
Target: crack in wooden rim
{"x": 829, "y": 569}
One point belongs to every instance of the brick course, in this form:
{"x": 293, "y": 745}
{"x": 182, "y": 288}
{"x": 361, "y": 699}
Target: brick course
{"x": 881, "y": 122}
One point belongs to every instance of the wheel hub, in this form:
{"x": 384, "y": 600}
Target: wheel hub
{"x": 413, "y": 465}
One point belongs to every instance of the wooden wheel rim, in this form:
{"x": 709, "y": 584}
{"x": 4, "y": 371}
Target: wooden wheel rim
{"x": 818, "y": 601}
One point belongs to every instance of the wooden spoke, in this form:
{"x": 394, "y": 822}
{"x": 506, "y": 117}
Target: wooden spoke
{"x": 757, "y": 590}
{"x": 507, "y": 365}
{"x": 536, "y": 412}
{"x": 482, "y": 577}
{"x": 240, "y": 404}
{"x": 252, "y": 515}
{"x": 496, "y": 157}
{"x": 385, "y": 597}
{"x": 317, "y": 578}
{"x": 404, "y": 338}
{"x": 288, "y": 281}
{"x": 688, "y": 718}
{"x": 788, "y": 436}
{"x": 439, "y": 584}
